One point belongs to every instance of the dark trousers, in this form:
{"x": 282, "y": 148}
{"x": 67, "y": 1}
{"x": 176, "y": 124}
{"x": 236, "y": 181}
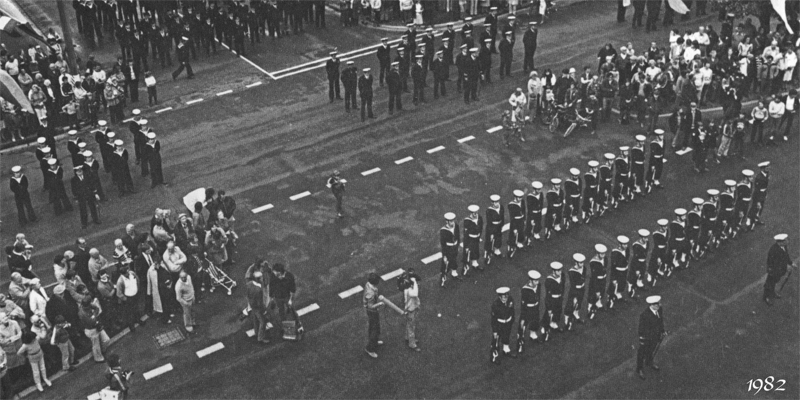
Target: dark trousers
{"x": 373, "y": 330}
{"x": 130, "y": 310}
{"x": 787, "y": 121}
{"x": 333, "y": 88}
{"x": 505, "y": 67}
{"x": 470, "y": 90}
{"x": 61, "y": 202}
{"x": 166, "y": 60}
{"x": 238, "y": 47}
{"x": 133, "y": 88}
{"x": 338, "y": 197}
{"x": 24, "y": 203}
{"x": 439, "y": 84}
{"x": 645, "y": 354}
{"x": 184, "y": 64}
{"x": 92, "y": 205}
{"x": 394, "y": 100}
{"x": 419, "y": 92}
{"x": 152, "y": 95}
{"x": 620, "y": 11}
{"x": 460, "y": 82}
{"x": 384, "y": 71}
{"x": 637, "y": 17}
{"x": 366, "y": 107}
{"x": 527, "y": 64}
{"x": 769, "y": 286}
{"x": 350, "y": 98}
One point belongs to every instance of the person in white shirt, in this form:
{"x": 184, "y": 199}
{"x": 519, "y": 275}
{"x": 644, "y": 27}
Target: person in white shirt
{"x": 772, "y": 50}
{"x": 150, "y": 82}
{"x": 707, "y": 74}
{"x": 518, "y": 101}
{"x": 652, "y": 70}
{"x": 790, "y": 62}
{"x": 412, "y": 304}
{"x": 38, "y": 299}
{"x": 690, "y": 52}
{"x": 702, "y": 39}
{"x": 791, "y": 103}
{"x": 776, "y": 111}
{"x": 535, "y": 90}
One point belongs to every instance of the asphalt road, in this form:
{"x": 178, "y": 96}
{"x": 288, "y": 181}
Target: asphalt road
{"x": 282, "y": 138}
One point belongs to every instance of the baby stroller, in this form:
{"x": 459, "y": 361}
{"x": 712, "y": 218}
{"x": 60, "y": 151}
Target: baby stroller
{"x": 217, "y": 276}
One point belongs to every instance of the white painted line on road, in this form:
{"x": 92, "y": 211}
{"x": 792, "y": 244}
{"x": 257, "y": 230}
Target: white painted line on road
{"x": 254, "y": 84}
{"x": 495, "y": 129}
{"x": 307, "y": 309}
{"x": 403, "y": 160}
{"x": 193, "y": 101}
{"x": 229, "y": 91}
{"x": 127, "y": 120}
{"x": 163, "y": 109}
{"x": 392, "y": 275}
{"x": 682, "y": 152}
{"x": 156, "y": 372}
{"x": 210, "y": 349}
{"x": 466, "y": 139}
{"x": 506, "y": 227}
{"x": 262, "y": 208}
{"x": 430, "y": 259}
{"x": 435, "y": 149}
{"x": 258, "y": 68}
{"x": 349, "y": 292}
{"x": 300, "y": 196}
{"x": 370, "y": 172}
{"x": 93, "y": 396}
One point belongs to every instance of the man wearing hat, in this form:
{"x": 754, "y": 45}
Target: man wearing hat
{"x": 590, "y": 192}
{"x": 152, "y": 155}
{"x": 365, "y": 91}
{"x": 708, "y": 212}
{"x": 473, "y": 227}
{"x": 726, "y": 219}
{"x": 135, "y": 126}
{"x": 395, "y": 85}
{"x": 659, "y": 254}
{"x": 778, "y": 263}
{"x": 121, "y": 171}
{"x": 100, "y": 136}
{"x": 694, "y": 220}
{"x": 490, "y": 23}
{"x": 91, "y": 168}
{"x": 485, "y": 61}
{"x": 384, "y": 59}
{"x": 403, "y": 65}
{"x": 744, "y": 194}
{"x": 332, "y": 70}
{"x": 449, "y": 35}
{"x": 651, "y": 333}
{"x": 182, "y": 53}
{"x": 534, "y": 203}
{"x": 572, "y": 196}
{"x": 460, "y": 62}
{"x": 349, "y": 79}
{"x": 428, "y": 43}
{"x": 57, "y": 193}
{"x": 449, "y": 239}
{"x": 618, "y": 265}
{"x": 18, "y": 184}
{"x": 72, "y": 146}
{"x": 472, "y": 75}
{"x": 411, "y": 34}
{"x": 554, "y": 291}
{"x": 638, "y": 262}
{"x": 637, "y": 165}
{"x": 418, "y": 77}
{"x": 447, "y": 54}
{"x": 516, "y": 217}
{"x": 466, "y": 29}
{"x": 678, "y": 243}
{"x": 495, "y": 218}
{"x": 622, "y": 178}
{"x": 511, "y": 26}
{"x": 502, "y": 323}
{"x": 577, "y": 281}
{"x": 506, "y": 55}
{"x": 529, "y": 41}
{"x": 760, "y": 184}
{"x": 656, "y": 164}
{"x": 441, "y": 73}
{"x": 529, "y": 310}
{"x": 606, "y": 178}
{"x": 555, "y": 208}
{"x": 85, "y": 191}
{"x": 336, "y": 184}
{"x": 598, "y": 266}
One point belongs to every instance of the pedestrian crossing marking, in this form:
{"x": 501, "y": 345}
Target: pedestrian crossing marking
{"x": 300, "y": 196}
{"x": 163, "y": 109}
{"x": 254, "y": 84}
{"x": 435, "y": 149}
{"x": 307, "y": 309}
{"x": 370, "y": 172}
{"x": 349, "y": 292}
{"x": 210, "y": 349}
{"x": 156, "y": 372}
{"x": 262, "y": 208}
{"x": 190, "y": 102}
{"x": 466, "y": 139}
{"x": 495, "y": 129}
{"x": 430, "y": 259}
{"x": 684, "y": 151}
{"x": 229, "y": 91}
{"x": 403, "y": 160}
{"x": 392, "y": 275}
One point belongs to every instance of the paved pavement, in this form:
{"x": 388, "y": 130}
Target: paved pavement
{"x": 268, "y": 143}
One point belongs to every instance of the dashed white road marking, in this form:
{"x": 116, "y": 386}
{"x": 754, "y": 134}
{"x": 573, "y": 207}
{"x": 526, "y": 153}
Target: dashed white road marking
{"x": 190, "y": 102}
{"x": 229, "y": 91}
{"x": 163, "y": 109}
{"x": 370, "y": 172}
{"x": 403, "y": 160}
{"x": 156, "y": 372}
{"x": 300, "y": 196}
{"x": 392, "y": 274}
{"x": 430, "y": 259}
{"x": 495, "y": 129}
{"x": 466, "y": 139}
{"x": 349, "y": 292}
{"x": 262, "y": 208}
{"x": 210, "y": 349}
{"x": 254, "y": 84}
{"x": 307, "y": 309}
{"x": 435, "y": 149}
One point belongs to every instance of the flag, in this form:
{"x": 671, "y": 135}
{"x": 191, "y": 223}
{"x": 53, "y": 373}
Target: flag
{"x": 11, "y": 92}
{"x": 780, "y": 8}
{"x": 678, "y": 6}
{"x": 14, "y": 22}
{"x": 9, "y": 26}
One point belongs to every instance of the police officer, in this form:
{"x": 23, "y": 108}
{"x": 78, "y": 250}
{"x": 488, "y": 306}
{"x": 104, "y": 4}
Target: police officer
{"x": 384, "y": 59}
{"x": 621, "y": 176}
{"x": 473, "y": 228}
{"x": 618, "y": 261}
{"x": 744, "y": 194}
{"x": 152, "y": 152}
{"x": 349, "y": 78}
{"x": 638, "y": 262}
{"x": 495, "y": 217}
{"x": 637, "y": 166}
{"x": 449, "y": 239}
{"x": 534, "y": 202}
{"x": 726, "y": 217}
{"x": 365, "y": 91}
{"x": 395, "y": 86}
{"x": 18, "y": 184}
{"x": 441, "y": 72}
{"x": 572, "y": 197}
{"x": 760, "y": 184}
{"x": 57, "y": 193}
{"x": 577, "y": 281}
{"x": 606, "y": 178}
{"x": 502, "y": 324}
{"x": 778, "y": 262}
{"x": 590, "y": 191}
{"x": 598, "y": 266}
{"x": 418, "y": 77}
{"x": 332, "y": 70}
{"x": 506, "y": 55}
{"x": 659, "y": 254}
{"x": 554, "y": 291}
{"x": 529, "y": 41}
{"x": 678, "y": 243}
{"x": 555, "y": 206}
{"x": 651, "y": 333}
{"x": 656, "y": 164}
{"x": 529, "y": 310}
{"x": 85, "y": 191}
{"x": 336, "y": 184}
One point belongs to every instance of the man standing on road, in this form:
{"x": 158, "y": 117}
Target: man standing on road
{"x": 182, "y": 53}
{"x": 460, "y": 63}
{"x": 418, "y": 77}
{"x": 619, "y": 270}
{"x": 365, "y": 90}
{"x": 651, "y": 333}
{"x": 577, "y": 282}
{"x": 472, "y": 74}
{"x": 555, "y": 206}
{"x": 57, "y": 192}
{"x": 659, "y": 254}
{"x": 152, "y": 156}
{"x": 258, "y": 310}
{"x": 350, "y": 83}
{"x": 598, "y": 283}
{"x": 282, "y": 288}
{"x": 656, "y": 164}
{"x": 606, "y": 178}
{"x": 184, "y": 291}
{"x": 441, "y": 72}
{"x": 506, "y": 55}
{"x": 534, "y": 203}
{"x": 394, "y": 83}
{"x": 502, "y": 323}
{"x": 412, "y": 304}
{"x": 336, "y": 184}
{"x": 384, "y": 59}
{"x": 529, "y": 310}
{"x": 473, "y": 227}
{"x": 449, "y": 239}
{"x": 529, "y": 40}
{"x": 85, "y": 191}
{"x": 372, "y": 305}
{"x": 332, "y": 70}
{"x": 516, "y": 216}
{"x": 637, "y": 166}
{"x": 778, "y": 263}
{"x": 590, "y": 182}
{"x": 100, "y": 136}
{"x": 554, "y": 291}
{"x": 19, "y": 186}
{"x": 495, "y": 217}
{"x": 760, "y": 184}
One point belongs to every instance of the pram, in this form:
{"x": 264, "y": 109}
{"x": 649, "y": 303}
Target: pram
{"x": 217, "y": 276}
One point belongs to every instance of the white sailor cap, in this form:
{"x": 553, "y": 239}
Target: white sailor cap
{"x": 474, "y": 50}
{"x": 52, "y": 161}
{"x": 512, "y": 17}
{"x": 748, "y": 172}
{"x": 366, "y": 69}
{"x": 41, "y": 140}
{"x": 624, "y": 148}
{"x": 680, "y": 211}
{"x": 81, "y": 145}
{"x": 77, "y": 168}
{"x": 87, "y": 153}
{"x": 449, "y": 216}
{"x": 532, "y": 23}
{"x": 333, "y": 53}
{"x": 663, "y": 222}
{"x": 623, "y": 239}
{"x": 640, "y": 138}
{"x": 503, "y": 290}
{"x": 593, "y": 164}
{"x": 537, "y": 185}
{"x": 519, "y": 193}
{"x": 463, "y": 46}
{"x": 151, "y": 135}
{"x": 111, "y": 135}
{"x": 493, "y": 9}
{"x": 644, "y": 233}
{"x": 609, "y": 156}
{"x": 118, "y": 142}
{"x": 429, "y": 29}
{"x": 410, "y": 25}
{"x": 72, "y": 132}
{"x": 764, "y": 164}
{"x": 351, "y": 62}
{"x": 578, "y": 257}
{"x": 509, "y": 33}
{"x": 438, "y": 53}
{"x": 730, "y": 182}
{"x": 555, "y": 265}
{"x": 600, "y": 248}
{"x": 142, "y": 121}
{"x": 102, "y": 122}
{"x": 555, "y": 181}
{"x": 16, "y": 168}
{"x": 396, "y": 63}
{"x": 659, "y": 132}
{"x": 781, "y": 236}
{"x": 136, "y": 111}
{"x": 534, "y": 274}
{"x": 487, "y": 40}
{"x": 574, "y": 171}
{"x": 653, "y": 299}
{"x": 46, "y": 149}
{"x": 712, "y": 192}
{"x": 494, "y": 197}
{"x": 184, "y": 38}
{"x": 468, "y": 19}
{"x": 473, "y": 208}
{"x": 697, "y": 201}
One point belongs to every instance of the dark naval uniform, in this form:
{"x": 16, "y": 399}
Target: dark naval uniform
{"x": 528, "y": 314}
{"x": 555, "y": 205}
{"x": 572, "y": 194}
{"x": 726, "y": 218}
{"x": 472, "y": 239}
{"x": 606, "y": 179}
{"x": 677, "y": 242}
{"x": 554, "y": 289}
{"x": 590, "y": 192}
{"x": 622, "y": 179}
{"x": 744, "y": 193}
{"x": 502, "y": 323}
{"x": 778, "y": 262}
{"x": 449, "y": 239}
{"x": 651, "y": 332}
{"x": 495, "y": 217}
{"x": 619, "y": 274}
{"x": 534, "y": 203}
{"x": 22, "y": 198}
{"x": 759, "y": 196}
{"x": 638, "y": 266}
{"x": 658, "y": 257}
{"x": 577, "y": 284}
{"x": 637, "y": 168}
{"x": 516, "y": 232}
{"x": 708, "y": 226}
{"x": 598, "y": 284}
{"x": 656, "y": 164}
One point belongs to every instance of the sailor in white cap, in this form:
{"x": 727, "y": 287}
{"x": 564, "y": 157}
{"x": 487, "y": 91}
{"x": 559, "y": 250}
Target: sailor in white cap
{"x": 744, "y": 195}
{"x": 384, "y": 54}
{"x": 678, "y": 243}
{"x": 506, "y": 48}
{"x": 449, "y": 239}
{"x": 337, "y": 186}
{"x": 394, "y": 83}
{"x": 72, "y": 146}
{"x": 622, "y": 176}
{"x": 554, "y": 291}
{"x": 778, "y": 263}
{"x": 137, "y": 126}
{"x": 572, "y": 197}
{"x": 760, "y": 184}
{"x": 656, "y": 164}
{"x": 101, "y": 137}
{"x": 85, "y": 191}
{"x": 485, "y": 60}
{"x": 468, "y": 24}
{"x": 555, "y": 207}
{"x": 152, "y": 156}
{"x": 91, "y": 168}
{"x": 502, "y": 323}
{"x": 332, "y": 70}
{"x": 350, "y": 82}
{"x": 727, "y": 217}
{"x": 529, "y": 310}
{"x": 43, "y": 154}
{"x": 577, "y": 281}
{"x": 516, "y": 219}
{"x": 651, "y": 333}
{"x": 694, "y": 221}
{"x": 22, "y": 198}
{"x": 637, "y": 165}
{"x": 58, "y": 193}
{"x": 365, "y": 92}
{"x": 598, "y": 266}
{"x": 428, "y": 48}
{"x": 618, "y": 265}
{"x": 510, "y": 26}
{"x": 591, "y": 185}
{"x": 534, "y": 203}
{"x": 529, "y": 41}
{"x": 495, "y": 218}
{"x": 660, "y": 253}
{"x": 606, "y": 179}
{"x": 441, "y": 70}
{"x": 182, "y": 54}
{"x": 473, "y": 227}
{"x": 121, "y": 173}
{"x": 411, "y": 34}
{"x": 638, "y": 262}
{"x": 418, "y": 75}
